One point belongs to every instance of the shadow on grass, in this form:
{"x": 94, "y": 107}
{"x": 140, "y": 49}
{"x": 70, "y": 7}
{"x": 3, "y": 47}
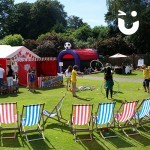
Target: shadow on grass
{"x": 118, "y": 100}
{"x": 146, "y": 128}
{"x": 141, "y": 139}
{"x": 6, "y": 95}
{"x": 91, "y": 144}
{"x": 37, "y": 144}
{"x": 50, "y": 88}
{"x": 84, "y": 99}
{"x": 58, "y": 126}
{"x": 10, "y": 142}
{"x": 120, "y": 142}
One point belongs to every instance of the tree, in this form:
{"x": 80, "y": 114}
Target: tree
{"x": 19, "y": 20}
{"x": 83, "y": 33}
{"x": 100, "y": 32}
{"x": 32, "y": 19}
{"x": 6, "y": 6}
{"x": 50, "y": 44}
{"x": 74, "y": 22}
{"x": 13, "y": 40}
{"x": 141, "y": 38}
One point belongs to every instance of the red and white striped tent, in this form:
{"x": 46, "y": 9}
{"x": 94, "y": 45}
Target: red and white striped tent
{"x": 13, "y": 54}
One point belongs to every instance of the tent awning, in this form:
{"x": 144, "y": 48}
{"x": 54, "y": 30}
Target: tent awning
{"x": 118, "y": 55}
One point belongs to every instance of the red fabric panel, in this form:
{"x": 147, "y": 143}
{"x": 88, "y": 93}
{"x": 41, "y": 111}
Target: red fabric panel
{"x": 46, "y": 68}
{"x": 85, "y": 54}
{"x": 22, "y": 73}
{"x": 3, "y": 63}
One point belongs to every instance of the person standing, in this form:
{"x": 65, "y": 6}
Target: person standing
{"x": 146, "y": 75}
{"x": 2, "y": 71}
{"x": 108, "y": 81}
{"x": 68, "y": 75}
{"x": 32, "y": 79}
{"x": 10, "y": 74}
{"x": 74, "y": 80}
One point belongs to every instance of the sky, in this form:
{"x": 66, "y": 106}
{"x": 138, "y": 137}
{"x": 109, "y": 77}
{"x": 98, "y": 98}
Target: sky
{"x": 91, "y": 11}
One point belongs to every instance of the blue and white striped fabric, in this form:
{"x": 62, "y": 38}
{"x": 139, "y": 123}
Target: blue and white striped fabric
{"x": 145, "y": 109}
{"x": 32, "y": 115}
{"x": 105, "y": 113}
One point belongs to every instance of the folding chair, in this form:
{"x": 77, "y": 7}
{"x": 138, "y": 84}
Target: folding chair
{"x": 126, "y": 118}
{"x": 104, "y": 119}
{"x": 143, "y": 113}
{"x": 81, "y": 119}
{"x": 9, "y": 115}
{"x": 31, "y": 118}
{"x": 56, "y": 112}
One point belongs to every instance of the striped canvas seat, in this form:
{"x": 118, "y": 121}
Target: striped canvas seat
{"x": 105, "y": 113}
{"x": 81, "y": 116}
{"x": 143, "y": 113}
{"x": 32, "y": 116}
{"x": 9, "y": 115}
{"x": 127, "y": 113}
{"x": 144, "y": 109}
{"x": 126, "y": 118}
{"x": 105, "y": 116}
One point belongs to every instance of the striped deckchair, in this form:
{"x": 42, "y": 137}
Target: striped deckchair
{"x": 81, "y": 119}
{"x": 31, "y": 117}
{"x": 104, "y": 119}
{"x": 126, "y": 118}
{"x": 143, "y": 113}
{"x": 9, "y": 115}
{"x": 55, "y": 113}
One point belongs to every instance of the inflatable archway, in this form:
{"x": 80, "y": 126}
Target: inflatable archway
{"x": 73, "y": 53}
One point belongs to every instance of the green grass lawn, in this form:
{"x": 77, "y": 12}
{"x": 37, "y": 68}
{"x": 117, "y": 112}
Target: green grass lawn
{"x": 58, "y": 136}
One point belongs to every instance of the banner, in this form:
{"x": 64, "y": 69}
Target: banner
{"x": 140, "y": 62}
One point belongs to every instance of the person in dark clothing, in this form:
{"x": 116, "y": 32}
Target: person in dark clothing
{"x": 108, "y": 80}
{"x": 10, "y": 74}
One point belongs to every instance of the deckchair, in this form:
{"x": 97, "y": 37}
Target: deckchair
{"x": 56, "y": 112}
{"x": 143, "y": 113}
{"x": 9, "y": 117}
{"x": 126, "y": 119}
{"x": 31, "y": 120}
{"x": 81, "y": 119}
{"x": 104, "y": 119}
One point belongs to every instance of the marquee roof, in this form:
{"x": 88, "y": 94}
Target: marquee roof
{"x": 84, "y": 54}
{"x": 16, "y": 52}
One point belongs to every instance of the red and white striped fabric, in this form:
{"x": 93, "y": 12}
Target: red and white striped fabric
{"x": 7, "y": 113}
{"x": 40, "y": 81}
{"x": 81, "y": 114}
{"x": 128, "y": 111}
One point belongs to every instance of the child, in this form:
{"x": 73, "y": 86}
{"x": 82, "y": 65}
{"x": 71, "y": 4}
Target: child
{"x": 68, "y": 75}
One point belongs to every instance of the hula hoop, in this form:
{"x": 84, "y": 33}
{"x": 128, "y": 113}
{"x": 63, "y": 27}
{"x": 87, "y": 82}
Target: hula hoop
{"x": 114, "y": 93}
{"x": 95, "y": 61}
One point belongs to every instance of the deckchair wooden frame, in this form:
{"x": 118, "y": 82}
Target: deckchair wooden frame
{"x": 146, "y": 118}
{"x": 131, "y": 122}
{"x": 109, "y": 125}
{"x": 38, "y": 127}
{"x": 56, "y": 112}
{"x": 75, "y": 129}
{"x": 16, "y": 122}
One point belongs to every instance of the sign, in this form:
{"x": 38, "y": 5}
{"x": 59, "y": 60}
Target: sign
{"x": 60, "y": 64}
{"x": 52, "y": 81}
{"x": 140, "y": 62}
{"x": 27, "y": 67}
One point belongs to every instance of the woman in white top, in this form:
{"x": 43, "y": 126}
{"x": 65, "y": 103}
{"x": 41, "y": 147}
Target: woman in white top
{"x": 68, "y": 75}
